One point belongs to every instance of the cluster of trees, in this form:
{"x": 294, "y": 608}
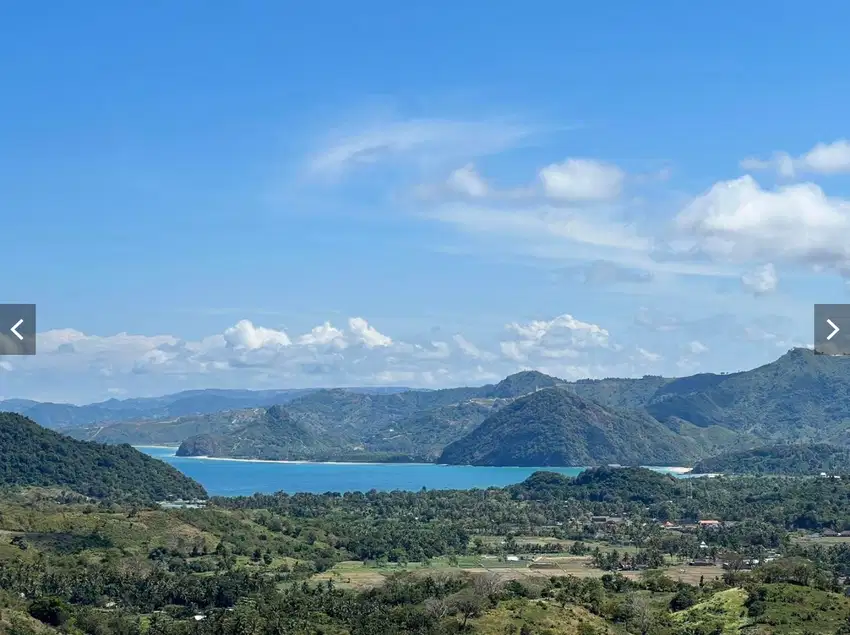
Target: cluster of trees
{"x": 34, "y": 456}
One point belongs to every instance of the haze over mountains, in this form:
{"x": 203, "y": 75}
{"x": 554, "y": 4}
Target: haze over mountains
{"x": 63, "y": 415}
{"x": 527, "y": 419}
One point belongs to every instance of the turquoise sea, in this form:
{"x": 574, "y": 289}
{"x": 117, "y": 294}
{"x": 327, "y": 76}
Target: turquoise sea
{"x": 223, "y": 477}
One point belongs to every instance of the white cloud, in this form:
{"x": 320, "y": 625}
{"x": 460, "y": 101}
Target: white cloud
{"x": 246, "y": 335}
{"x": 648, "y": 355}
{"x": 77, "y": 367}
{"x": 324, "y": 335}
{"x": 738, "y": 221}
{"x": 612, "y": 248}
{"x": 824, "y": 158}
{"x": 366, "y": 334}
{"x": 563, "y": 336}
{"x": 471, "y": 350}
{"x": 760, "y": 280}
{"x": 582, "y": 180}
{"x": 697, "y": 348}
{"x": 541, "y": 223}
{"x": 429, "y": 141}
{"x": 468, "y": 182}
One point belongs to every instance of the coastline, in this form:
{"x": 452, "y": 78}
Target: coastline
{"x": 158, "y": 447}
{"x": 679, "y": 470}
{"x": 297, "y": 462}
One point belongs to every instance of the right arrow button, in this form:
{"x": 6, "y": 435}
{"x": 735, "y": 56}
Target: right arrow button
{"x": 835, "y": 329}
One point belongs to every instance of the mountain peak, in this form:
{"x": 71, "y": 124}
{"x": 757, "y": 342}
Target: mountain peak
{"x": 557, "y": 427}
{"x": 524, "y": 382}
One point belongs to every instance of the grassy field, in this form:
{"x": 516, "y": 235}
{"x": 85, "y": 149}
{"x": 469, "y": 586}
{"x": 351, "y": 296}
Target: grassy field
{"x": 724, "y": 613}
{"x": 356, "y": 574}
{"x": 549, "y": 540}
{"x": 823, "y": 540}
{"x": 538, "y": 617}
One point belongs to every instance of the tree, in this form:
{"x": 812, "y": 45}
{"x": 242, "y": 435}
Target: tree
{"x": 438, "y": 608}
{"x": 685, "y": 598}
{"x": 50, "y": 610}
{"x": 643, "y": 618}
{"x": 467, "y": 605}
{"x": 487, "y": 585}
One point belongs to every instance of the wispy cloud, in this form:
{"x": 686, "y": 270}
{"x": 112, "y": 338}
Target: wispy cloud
{"x": 420, "y": 141}
{"x": 823, "y": 158}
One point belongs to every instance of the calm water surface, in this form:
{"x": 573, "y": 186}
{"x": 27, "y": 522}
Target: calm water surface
{"x": 237, "y": 478}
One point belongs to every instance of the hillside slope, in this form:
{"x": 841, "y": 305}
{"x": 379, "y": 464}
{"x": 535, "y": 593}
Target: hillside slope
{"x": 271, "y": 435}
{"x": 555, "y": 427}
{"x": 803, "y": 459}
{"x": 801, "y": 396}
{"x": 34, "y": 456}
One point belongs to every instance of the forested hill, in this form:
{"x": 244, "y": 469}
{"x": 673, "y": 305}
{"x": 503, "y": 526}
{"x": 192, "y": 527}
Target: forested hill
{"x": 34, "y": 456}
{"x": 800, "y": 397}
{"x": 811, "y": 459}
{"x": 557, "y": 427}
{"x": 605, "y": 484}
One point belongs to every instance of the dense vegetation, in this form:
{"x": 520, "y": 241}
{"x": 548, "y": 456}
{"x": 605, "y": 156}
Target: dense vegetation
{"x": 436, "y": 562}
{"x": 32, "y": 455}
{"x": 557, "y": 427}
{"x": 801, "y": 459}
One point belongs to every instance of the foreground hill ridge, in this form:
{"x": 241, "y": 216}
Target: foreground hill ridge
{"x": 799, "y": 398}
{"x": 800, "y": 459}
{"x": 31, "y": 455}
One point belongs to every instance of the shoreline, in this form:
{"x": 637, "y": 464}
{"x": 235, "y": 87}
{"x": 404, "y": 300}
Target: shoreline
{"x": 659, "y": 468}
{"x": 297, "y": 462}
{"x": 158, "y": 447}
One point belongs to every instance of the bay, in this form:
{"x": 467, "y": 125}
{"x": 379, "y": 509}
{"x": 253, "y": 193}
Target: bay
{"x": 231, "y": 477}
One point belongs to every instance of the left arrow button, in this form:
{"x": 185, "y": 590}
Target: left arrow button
{"x": 15, "y": 328}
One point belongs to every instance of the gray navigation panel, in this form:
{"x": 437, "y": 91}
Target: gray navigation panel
{"x": 17, "y": 329}
{"x": 832, "y": 329}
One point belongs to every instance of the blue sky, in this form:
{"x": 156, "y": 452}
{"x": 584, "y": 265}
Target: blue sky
{"x": 189, "y": 189}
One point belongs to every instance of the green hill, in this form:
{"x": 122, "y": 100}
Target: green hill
{"x": 557, "y": 427}
{"x": 799, "y": 397}
{"x": 779, "y": 459}
{"x": 271, "y": 435}
{"x": 34, "y": 456}
{"x": 601, "y": 484}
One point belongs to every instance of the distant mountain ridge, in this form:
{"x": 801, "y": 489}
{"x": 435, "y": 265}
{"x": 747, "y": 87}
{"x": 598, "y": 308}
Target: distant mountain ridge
{"x": 343, "y": 424}
{"x": 59, "y": 416}
{"x": 800, "y": 397}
